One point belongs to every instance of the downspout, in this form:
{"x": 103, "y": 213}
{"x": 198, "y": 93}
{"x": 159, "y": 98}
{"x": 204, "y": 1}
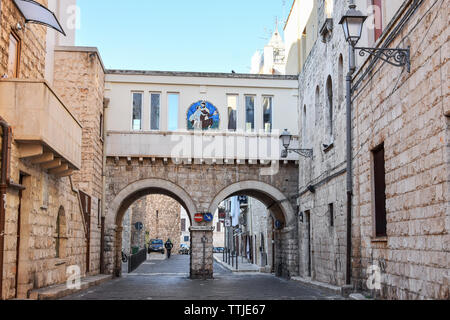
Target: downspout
{"x": 349, "y": 157}
{"x": 4, "y": 182}
{"x": 102, "y": 236}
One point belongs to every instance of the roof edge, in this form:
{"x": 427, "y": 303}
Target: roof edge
{"x": 202, "y": 74}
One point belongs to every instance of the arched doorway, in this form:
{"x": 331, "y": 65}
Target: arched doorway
{"x": 284, "y": 223}
{"x": 133, "y": 192}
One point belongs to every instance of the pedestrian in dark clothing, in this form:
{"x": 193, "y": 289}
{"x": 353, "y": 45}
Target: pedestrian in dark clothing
{"x": 168, "y": 245}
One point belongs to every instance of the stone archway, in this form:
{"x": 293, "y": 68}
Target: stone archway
{"x": 127, "y": 196}
{"x": 274, "y": 199}
{"x": 280, "y": 208}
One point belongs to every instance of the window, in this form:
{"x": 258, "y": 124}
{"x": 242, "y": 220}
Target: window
{"x": 267, "y": 110}
{"x": 137, "y": 111}
{"x": 317, "y": 106}
{"x": 329, "y": 8}
{"x": 13, "y": 56}
{"x": 155, "y": 107}
{"x": 304, "y": 138}
{"x": 378, "y": 17}
{"x": 329, "y": 111}
{"x": 173, "y": 99}
{"x": 232, "y": 112}
{"x": 186, "y": 239}
{"x": 341, "y": 80}
{"x": 331, "y": 212}
{"x": 183, "y": 225}
{"x": 101, "y": 126}
{"x": 250, "y": 113}
{"x": 379, "y": 175}
{"x": 99, "y": 213}
{"x": 218, "y": 227}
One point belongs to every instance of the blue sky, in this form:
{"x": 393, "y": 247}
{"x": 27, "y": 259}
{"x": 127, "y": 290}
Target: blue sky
{"x": 179, "y": 35}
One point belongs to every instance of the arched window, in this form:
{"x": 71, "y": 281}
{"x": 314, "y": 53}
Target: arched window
{"x": 340, "y": 80}
{"x": 329, "y": 109}
{"x": 60, "y": 234}
{"x": 304, "y": 131}
{"x": 317, "y": 106}
{"x": 329, "y": 8}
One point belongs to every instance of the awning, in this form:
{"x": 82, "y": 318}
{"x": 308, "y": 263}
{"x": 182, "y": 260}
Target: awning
{"x": 34, "y": 12}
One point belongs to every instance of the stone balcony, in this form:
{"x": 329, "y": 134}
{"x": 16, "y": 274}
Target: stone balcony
{"x": 45, "y": 130}
{"x": 193, "y": 147}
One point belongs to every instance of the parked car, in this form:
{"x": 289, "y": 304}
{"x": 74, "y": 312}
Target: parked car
{"x": 218, "y": 249}
{"x": 184, "y": 249}
{"x": 156, "y": 245}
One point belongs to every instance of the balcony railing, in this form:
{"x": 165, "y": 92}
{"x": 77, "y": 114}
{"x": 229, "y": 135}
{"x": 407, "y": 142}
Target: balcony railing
{"x": 44, "y": 128}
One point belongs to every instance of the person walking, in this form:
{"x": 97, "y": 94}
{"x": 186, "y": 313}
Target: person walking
{"x": 168, "y": 245}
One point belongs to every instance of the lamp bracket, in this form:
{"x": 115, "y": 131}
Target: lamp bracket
{"x": 307, "y": 153}
{"x": 396, "y": 57}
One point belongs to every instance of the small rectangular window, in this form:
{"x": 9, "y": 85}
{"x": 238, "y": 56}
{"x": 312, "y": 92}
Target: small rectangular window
{"x": 232, "y": 112}
{"x": 137, "y": 111}
{"x": 101, "y": 126}
{"x": 378, "y": 16}
{"x": 331, "y": 212}
{"x": 218, "y": 227}
{"x": 173, "y": 100}
{"x": 267, "y": 109}
{"x": 250, "y": 113}
{"x": 380, "y": 191}
{"x": 186, "y": 239}
{"x": 99, "y": 212}
{"x": 155, "y": 107}
{"x": 183, "y": 225}
{"x": 13, "y": 56}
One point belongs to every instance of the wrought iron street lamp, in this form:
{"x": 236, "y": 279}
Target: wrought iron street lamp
{"x": 286, "y": 138}
{"x": 352, "y": 23}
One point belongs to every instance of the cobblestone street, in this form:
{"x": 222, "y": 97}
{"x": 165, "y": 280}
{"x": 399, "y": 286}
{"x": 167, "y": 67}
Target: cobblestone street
{"x": 160, "y": 279}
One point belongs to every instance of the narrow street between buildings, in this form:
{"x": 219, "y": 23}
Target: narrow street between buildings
{"x": 158, "y": 279}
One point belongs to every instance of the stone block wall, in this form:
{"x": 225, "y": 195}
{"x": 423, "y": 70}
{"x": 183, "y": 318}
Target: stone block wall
{"x": 407, "y": 112}
{"x": 32, "y": 38}
{"x": 201, "y": 262}
{"x": 42, "y": 199}
{"x": 79, "y": 81}
{"x": 326, "y": 171}
{"x": 167, "y": 223}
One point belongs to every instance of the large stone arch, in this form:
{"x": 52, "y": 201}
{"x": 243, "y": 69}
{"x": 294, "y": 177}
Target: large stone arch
{"x": 280, "y": 207}
{"x": 144, "y": 187}
{"x": 273, "y": 198}
{"x": 128, "y": 195}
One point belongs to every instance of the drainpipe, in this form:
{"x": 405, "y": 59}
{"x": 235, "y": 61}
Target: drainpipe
{"x": 102, "y": 236}
{"x": 4, "y": 182}
{"x": 349, "y": 80}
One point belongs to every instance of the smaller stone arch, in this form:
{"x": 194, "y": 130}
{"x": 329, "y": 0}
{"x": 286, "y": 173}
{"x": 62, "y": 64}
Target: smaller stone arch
{"x": 273, "y": 198}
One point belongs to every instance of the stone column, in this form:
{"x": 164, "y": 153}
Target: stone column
{"x": 201, "y": 252}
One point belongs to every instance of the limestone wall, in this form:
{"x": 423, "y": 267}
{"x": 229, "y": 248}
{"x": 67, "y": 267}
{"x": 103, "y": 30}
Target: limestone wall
{"x": 41, "y": 201}
{"x": 408, "y": 112}
{"x": 166, "y": 224}
{"x": 33, "y": 42}
{"x": 79, "y": 81}
{"x": 325, "y": 244}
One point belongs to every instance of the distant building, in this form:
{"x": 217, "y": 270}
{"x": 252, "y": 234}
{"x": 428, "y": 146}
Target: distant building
{"x": 273, "y": 58}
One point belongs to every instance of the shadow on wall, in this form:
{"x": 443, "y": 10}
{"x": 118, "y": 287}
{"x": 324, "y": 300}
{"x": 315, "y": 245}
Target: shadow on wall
{"x": 293, "y": 56}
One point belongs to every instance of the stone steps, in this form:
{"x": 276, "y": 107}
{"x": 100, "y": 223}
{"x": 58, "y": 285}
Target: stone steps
{"x": 61, "y": 291}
